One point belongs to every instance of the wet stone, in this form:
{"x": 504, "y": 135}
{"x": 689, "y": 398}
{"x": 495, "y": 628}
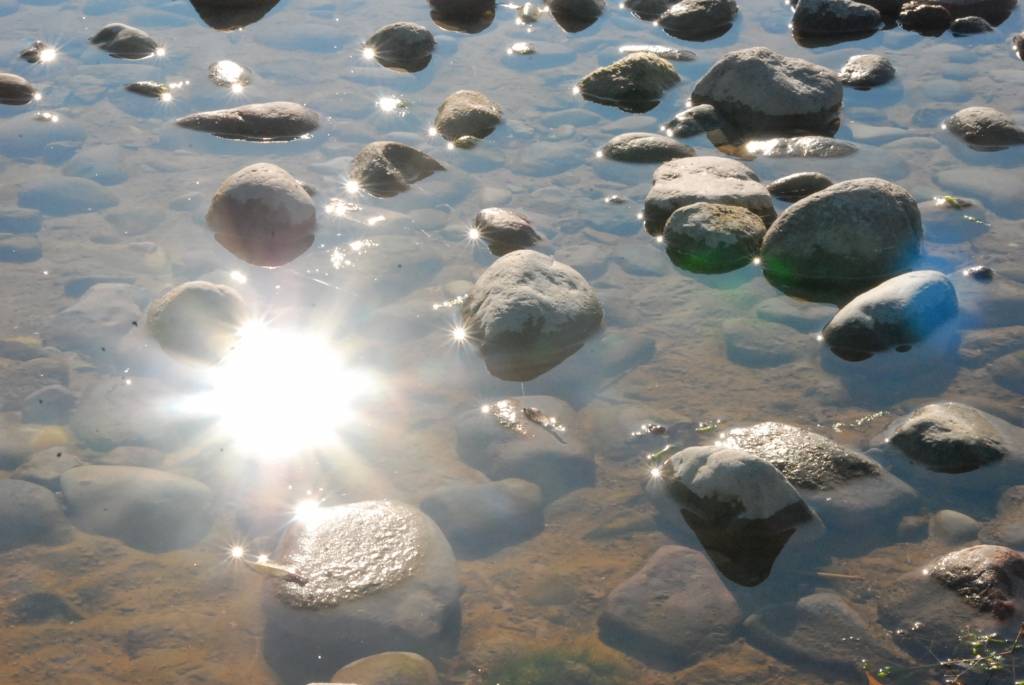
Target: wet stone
{"x": 229, "y": 15}
{"x": 927, "y": 19}
{"x": 820, "y": 147}
{"x": 51, "y": 404}
{"x": 467, "y": 113}
{"x": 756, "y": 343}
{"x": 713, "y": 238}
{"x": 197, "y": 321}
{"x": 575, "y": 15}
{"x": 693, "y": 121}
{"x": 952, "y": 527}
{"x": 834, "y": 17}
{"x": 29, "y": 515}
{"x": 985, "y": 127}
{"x": 41, "y": 607}
{"x": 867, "y": 71}
{"x": 505, "y": 230}
{"x": 389, "y": 668}
{"x": 265, "y": 121}
{"x": 799, "y": 185}
{"x": 386, "y": 168}
{"x": 15, "y": 90}
{"x": 698, "y": 19}
{"x": 648, "y": 10}
{"x": 20, "y": 249}
{"x": 46, "y": 467}
{"x": 37, "y": 52}
{"x": 634, "y": 83}
{"x": 126, "y": 42}
{"x": 967, "y": 26}
{"x": 404, "y": 46}
{"x": 644, "y": 148}
{"x": 149, "y": 89}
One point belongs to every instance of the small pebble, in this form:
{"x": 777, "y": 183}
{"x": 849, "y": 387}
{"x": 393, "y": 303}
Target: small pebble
{"x": 980, "y": 273}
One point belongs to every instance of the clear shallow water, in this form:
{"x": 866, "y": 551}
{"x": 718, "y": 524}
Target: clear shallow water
{"x": 191, "y": 616}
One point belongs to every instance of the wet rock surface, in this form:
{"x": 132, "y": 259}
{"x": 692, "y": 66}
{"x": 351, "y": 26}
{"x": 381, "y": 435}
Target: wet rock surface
{"x": 820, "y": 147}
{"x": 126, "y": 42}
{"x": 648, "y": 10}
{"x": 387, "y": 168}
{"x": 404, "y": 46}
{"x": 229, "y": 15}
{"x": 576, "y": 15}
{"x": 46, "y": 467}
{"x": 799, "y": 185}
{"x": 712, "y": 238}
{"x": 467, "y": 113}
{"x": 644, "y": 147}
{"x": 698, "y": 19}
{"x": 925, "y": 18}
{"x": 985, "y": 127}
{"x": 198, "y": 320}
{"x": 867, "y": 71}
{"x": 389, "y": 668}
{"x": 967, "y": 26}
{"x": 15, "y": 90}
{"x": 1007, "y": 527}
{"x": 265, "y": 121}
{"x": 505, "y": 230}
{"x": 634, "y": 83}
{"x": 693, "y": 121}
{"x": 29, "y": 515}
{"x": 834, "y": 17}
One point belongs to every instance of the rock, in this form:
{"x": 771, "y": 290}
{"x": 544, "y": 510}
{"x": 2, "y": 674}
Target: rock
{"x": 46, "y": 467}
{"x": 64, "y": 195}
{"x": 527, "y": 313}
{"x": 29, "y": 515}
{"x": 644, "y": 147}
{"x": 762, "y": 344}
{"x": 950, "y": 437}
{"x": 505, "y": 230}
{"x": 692, "y": 121}
{"x": 41, "y": 607}
{"x": 132, "y": 456}
{"x": 1005, "y": 528}
{"x": 112, "y": 413}
{"x": 867, "y": 71}
{"x": 20, "y": 220}
{"x": 575, "y": 15}
{"x": 127, "y": 42}
{"x": 648, "y": 10}
{"x": 820, "y": 147}
{"x": 985, "y": 127}
{"x": 849, "y": 233}
{"x": 403, "y": 45}
{"x": 834, "y": 17}
{"x": 698, "y": 19}
{"x": 799, "y": 185}
{"x": 966, "y": 26}
{"x": 978, "y": 348}
{"x": 740, "y": 507}
{"x": 634, "y": 83}
{"x": 15, "y": 90}
{"x": 500, "y": 441}
{"x": 901, "y": 311}
{"x": 197, "y": 321}
{"x": 760, "y": 91}
{"x": 468, "y": 16}
{"x": 386, "y": 168}
{"x": 952, "y": 527}
{"x": 669, "y": 53}
{"x": 716, "y": 180}
{"x": 713, "y": 238}
{"x": 263, "y": 216}
{"x": 229, "y": 15}
{"x": 376, "y": 576}
{"x": 97, "y": 321}
{"x": 51, "y": 404}
{"x": 467, "y": 113}
{"x": 822, "y": 628}
{"x": 992, "y": 11}
{"x": 480, "y": 519}
{"x": 389, "y": 668}
{"x": 151, "y": 510}
{"x": 1008, "y": 371}
{"x": 672, "y": 612}
{"x": 149, "y": 89}
{"x": 20, "y": 249}
{"x": 925, "y": 18}
{"x": 265, "y": 121}
{"x": 802, "y": 316}
{"x": 37, "y": 52}
{"x": 19, "y": 380}
{"x": 228, "y": 74}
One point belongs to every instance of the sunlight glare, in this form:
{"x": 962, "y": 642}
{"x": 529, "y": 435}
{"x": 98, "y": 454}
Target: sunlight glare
{"x": 47, "y": 55}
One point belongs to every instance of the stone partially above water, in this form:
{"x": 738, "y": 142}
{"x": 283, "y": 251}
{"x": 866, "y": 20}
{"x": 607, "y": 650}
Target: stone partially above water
{"x": 634, "y": 83}
{"x": 985, "y": 127}
{"x": 698, "y": 19}
{"x": 575, "y": 15}
{"x": 867, "y": 71}
{"x": 229, "y": 15}
{"x": 799, "y": 185}
{"x": 644, "y": 148}
{"x": 527, "y": 313}
{"x": 834, "y": 17}
{"x": 126, "y": 42}
{"x": 404, "y": 46}
{"x": 713, "y": 238}
{"x": 648, "y": 10}
{"x": 505, "y": 230}
{"x": 262, "y": 122}
{"x": 197, "y": 321}
{"x": 926, "y": 18}
{"x": 692, "y": 121}
{"x": 993, "y": 11}
{"x": 968, "y": 26}
{"x": 15, "y": 90}
{"x": 386, "y": 168}
{"x": 467, "y": 113}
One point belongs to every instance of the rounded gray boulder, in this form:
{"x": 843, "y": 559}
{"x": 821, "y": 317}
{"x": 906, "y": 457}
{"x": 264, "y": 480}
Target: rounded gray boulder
{"x": 467, "y": 113}
{"x": 404, "y": 46}
{"x": 29, "y": 515}
{"x": 197, "y": 321}
{"x": 15, "y": 90}
{"x": 713, "y": 238}
{"x": 634, "y": 83}
{"x": 265, "y": 121}
{"x": 386, "y": 168}
{"x": 644, "y": 148}
{"x": 505, "y": 230}
{"x": 985, "y": 127}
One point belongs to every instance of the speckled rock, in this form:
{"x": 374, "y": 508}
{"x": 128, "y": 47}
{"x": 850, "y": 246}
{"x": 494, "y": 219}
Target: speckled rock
{"x": 713, "y": 238}
{"x": 46, "y": 466}
{"x": 505, "y": 230}
{"x": 698, "y": 19}
{"x": 265, "y": 121}
{"x": 693, "y": 121}
{"x": 527, "y": 313}
{"x": 799, "y": 185}
{"x": 15, "y": 90}
{"x": 127, "y": 42}
{"x": 51, "y": 404}
{"x": 985, "y": 127}
{"x": 644, "y": 147}
{"x": 29, "y": 515}
{"x": 262, "y": 215}
{"x": 467, "y": 113}
{"x": 834, "y": 17}
{"x": 386, "y": 168}
{"x": 376, "y": 576}
{"x": 867, "y": 71}
{"x": 230, "y": 15}
{"x": 389, "y": 668}
{"x": 635, "y": 83}
{"x": 197, "y": 321}
{"x": 403, "y": 45}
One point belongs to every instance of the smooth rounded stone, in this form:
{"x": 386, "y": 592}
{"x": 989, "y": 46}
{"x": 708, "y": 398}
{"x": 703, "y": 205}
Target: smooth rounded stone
{"x": 634, "y": 83}
{"x": 1007, "y": 527}
{"x": 501, "y": 442}
{"x": 1017, "y": 41}
{"x": 867, "y": 71}
{"x": 805, "y": 317}
{"x": 229, "y": 15}
{"x": 15, "y": 90}
{"x": 967, "y": 26}
{"x": 846, "y": 488}
{"x": 20, "y": 249}
{"x": 672, "y": 612}
{"x": 716, "y": 180}
{"x": 950, "y": 437}
{"x": 644, "y": 148}
{"x": 760, "y": 344}
{"x": 527, "y": 313}
{"x": 575, "y": 15}
{"x": 97, "y": 321}
{"x": 693, "y": 121}
{"x": 467, "y": 113}
{"x": 741, "y": 508}
{"x": 389, "y": 668}
{"x": 820, "y": 147}
{"x": 127, "y": 42}
{"x": 1008, "y": 371}
{"x": 834, "y": 17}
{"x": 264, "y": 121}
{"x": 197, "y": 321}
{"x": 376, "y": 576}
{"x": 985, "y": 127}
{"x": 648, "y": 10}
{"x": 925, "y": 18}
{"x": 64, "y": 195}
{"x": 403, "y": 45}
{"x": 151, "y": 510}
{"x": 980, "y": 586}
{"x": 505, "y": 230}
{"x": 713, "y": 238}
{"x": 20, "y": 220}
{"x": 993, "y": 11}
{"x": 386, "y": 168}
{"x": 799, "y": 185}
{"x": 824, "y": 629}
{"x": 46, "y": 467}
{"x": 760, "y": 91}
{"x": 51, "y": 404}
{"x": 698, "y": 19}
{"x": 481, "y": 518}
{"x": 29, "y": 515}
{"x": 952, "y": 527}
{"x": 36, "y": 52}
{"x": 263, "y": 216}
{"x": 898, "y": 313}
{"x": 847, "y": 234}
{"x": 466, "y": 16}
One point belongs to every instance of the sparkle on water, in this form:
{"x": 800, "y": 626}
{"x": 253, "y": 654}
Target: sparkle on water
{"x": 473, "y": 234}
{"x": 459, "y": 334}
{"x": 47, "y": 55}
{"x": 369, "y": 53}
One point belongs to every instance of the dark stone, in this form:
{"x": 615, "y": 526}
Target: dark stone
{"x": 505, "y": 230}
{"x": 698, "y": 19}
{"x": 693, "y": 121}
{"x": 966, "y": 26}
{"x": 926, "y": 19}
{"x": 29, "y": 514}
{"x": 403, "y": 45}
{"x": 386, "y": 168}
{"x": 266, "y": 121}
{"x": 867, "y": 71}
{"x": 126, "y": 42}
{"x": 228, "y": 15}
{"x": 834, "y": 17}
{"x": 41, "y": 607}
{"x": 798, "y": 186}
{"x": 644, "y": 148}
{"x": 634, "y": 83}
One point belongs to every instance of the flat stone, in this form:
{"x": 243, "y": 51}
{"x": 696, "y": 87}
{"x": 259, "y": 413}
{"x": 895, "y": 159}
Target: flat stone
{"x": 124, "y": 41}
{"x": 799, "y": 185}
{"x": 389, "y": 668}
{"x": 834, "y": 17}
{"x": 698, "y": 19}
{"x": 265, "y": 121}
{"x": 15, "y": 90}
{"x": 644, "y": 148}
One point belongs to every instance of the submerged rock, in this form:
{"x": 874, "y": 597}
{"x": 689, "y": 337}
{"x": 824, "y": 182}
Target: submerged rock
{"x": 760, "y": 91}
{"x": 46, "y": 467}
{"x": 634, "y": 83}
{"x": 867, "y": 71}
{"x": 527, "y": 313}
{"x": 698, "y": 19}
{"x": 799, "y": 185}
{"x": 228, "y": 15}
{"x": 713, "y": 238}
{"x": 15, "y": 90}
{"x": 266, "y": 121}
{"x": 126, "y": 42}
{"x": 197, "y": 321}
{"x": 403, "y": 45}
{"x": 692, "y": 121}
{"x": 644, "y": 147}
{"x": 149, "y": 89}
{"x": 386, "y": 168}
{"x": 262, "y": 215}
{"x": 985, "y": 127}
{"x": 467, "y": 113}
{"x": 1007, "y": 528}
{"x": 389, "y": 668}
{"x": 505, "y": 230}
{"x": 834, "y": 17}
{"x": 664, "y": 51}
{"x": 760, "y": 343}
{"x": 29, "y": 515}
{"x": 51, "y": 404}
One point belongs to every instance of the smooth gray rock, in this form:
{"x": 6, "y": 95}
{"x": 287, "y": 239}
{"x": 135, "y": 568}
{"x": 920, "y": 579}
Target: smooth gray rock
{"x": 29, "y": 515}
{"x": 985, "y": 127}
{"x": 467, "y": 113}
{"x": 760, "y": 91}
{"x": 693, "y": 121}
{"x": 698, "y": 19}
{"x": 15, "y": 90}
{"x": 64, "y": 195}
{"x": 262, "y": 215}
{"x": 926, "y": 18}
{"x": 713, "y": 238}
{"x": 716, "y": 180}
{"x": 820, "y": 147}
{"x": 644, "y": 148}
{"x": 386, "y": 168}
{"x": 230, "y": 15}
{"x": 967, "y": 26}
{"x": 672, "y": 611}
{"x": 759, "y": 344}
{"x": 834, "y": 17}
{"x": 1007, "y": 527}
{"x": 126, "y": 42}
{"x": 46, "y": 467}
{"x": 197, "y": 321}
{"x": 20, "y": 249}
{"x": 575, "y": 15}
{"x": 527, "y": 313}
{"x": 635, "y": 83}
{"x": 799, "y": 185}
{"x": 898, "y": 313}
{"x": 648, "y": 10}
{"x": 403, "y": 45}
{"x": 20, "y": 220}
{"x": 505, "y": 230}
{"x": 389, "y": 668}
{"x": 952, "y": 527}
{"x": 851, "y": 232}
{"x": 51, "y": 404}
{"x": 481, "y": 518}
{"x": 867, "y": 71}
{"x": 264, "y": 121}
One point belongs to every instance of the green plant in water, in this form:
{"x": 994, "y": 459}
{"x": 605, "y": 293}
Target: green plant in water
{"x": 556, "y": 666}
{"x": 990, "y": 659}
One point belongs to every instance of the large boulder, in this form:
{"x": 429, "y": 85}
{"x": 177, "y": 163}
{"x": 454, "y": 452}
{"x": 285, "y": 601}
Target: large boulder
{"x": 404, "y": 46}
{"x": 366, "y": 578}
{"x": 197, "y": 321}
{"x": 844, "y": 236}
{"x": 760, "y": 91}
{"x": 467, "y": 113}
{"x": 634, "y": 83}
{"x": 264, "y": 121}
{"x": 527, "y": 313}
{"x": 834, "y": 17}
{"x": 698, "y": 19}
{"x": 229, "y": 15}
{"x": 29, "y": 514}
{"x": 386, "y": 168}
